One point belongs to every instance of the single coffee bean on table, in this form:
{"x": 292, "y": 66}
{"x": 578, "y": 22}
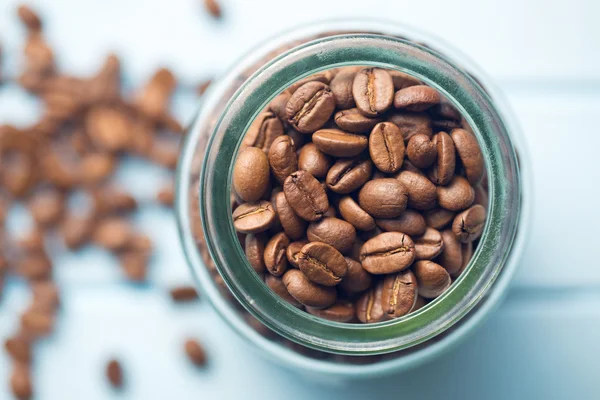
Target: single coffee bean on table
{"x": 360, "y": 194}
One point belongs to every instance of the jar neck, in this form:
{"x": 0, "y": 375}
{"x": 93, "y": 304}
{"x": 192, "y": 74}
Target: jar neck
{"x": 385, "y": 52}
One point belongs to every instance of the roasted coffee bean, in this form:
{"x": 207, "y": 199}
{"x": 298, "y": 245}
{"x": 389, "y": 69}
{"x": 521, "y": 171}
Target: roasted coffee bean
{"x": 416, "y": 98}
{"x": 323, "y": 77}
{"x": 20, "y": 382}
{"x": 409, "y": 166}
{"x": 282, "y": 157}
{"x": 373, "y": 91}
{"x": 254, "y": 217}
{"x": 113, "y": 233}
{"x": 114, "y": 374}
{"x": 439, "y": 218}
{"x": 19, "y": 348}
{"x": 429, "y": 245}
{"x": 410, "y": 222}
{"x": 341, "y": 87}
{"x": 322, "y": 263}
{"x": 35, "y": 267}
{"x": 469, "y": 224}
{"x": 339, "y": 143}
{"x": 274, "y": 254}
{"x": 195, "y": 352}
{"x": 183, "y": 294}
{"x": 451, "y": 258}
{"x": 314, "y": 161}
{"x": 445, "y": 110}
{"x": 387, "y": 253}
{"x": 166, "y": 195}
{"x": 76, "y": 231}
{"x": 470, "y": 155}
{"x": 457, "y": 196}
{"x": 383, "y": 198}
{"x": 29, "y": 18}
{"x": 357, "y": 279}
{"x": 333, "y": 231}
{"x": 275, "y": 283}
{"x": 402, "y": 80}
{"x": 37, "y": 323}
{"x": 420, "y": 303}
{"x": 254, "y": 249}
{"x": 299, "y": 139}
{"x": 421, "y": 192}
{"x": 354, "y": 214}
{"x": 46, "y": 294}
{"x": 305, "y": 195}
{"x": 47, "y": 207}
{"x": 306, "y": 292}
{"x": 278, "y": 104}
{"x": 352, "y": 120}
{"x": 355, "y": 252}
{"x": 481, "y": 196}
{"x": 341, "y": 311}
{"x": 443, "y": 170}
{"x": 399, "y": 294}
{"x": 293, "y": 251}
{"x": 263, "y": 131}
{"x": 251, "y": 174}
{"x": 421, "y": 151}
{"x": 369, "y": 306}
{"x": 347, "y": 175}
{"x": 309, "y": 108}
{"x": 386, "y": 147}
{"x": 292, "y": 224}
{"x": 432, "y": 278}
{"x": 411, "y": 124}
{"x": 467, "y": 254}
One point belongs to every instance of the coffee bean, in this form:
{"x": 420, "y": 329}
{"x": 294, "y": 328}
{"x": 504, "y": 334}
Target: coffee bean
{"x": 254, "y": 249}
{"x": 439, "y": 218}
{"x": 352, "y": 120}
{"x": 445, "y": 110}
{"x": 410, "y": 222}
{"x": 467, "y": 254}
{"x": 421, "y": 151}
{"x": 451, "y": 258}
{"x": 470, "y": 155}
{"x": 253, "y": 217}
{"x": 369, "y": 306}
{"x": 411, "y": 124}
{"x": 354, "y": 214}
{"x": 195, "y": 352}
{"x": 306, "y": 292}
{"x": 341, "y": 311}
{"x": 373, "y": 91}
{"x": 387, "y": 253}
{"x": 416, "y": 98}
{"x": 19, "y": 348}
{"x": 309, "y": 108}
{"x": 429, "y": 245}
{"x": 213, "y": 8}
{"x": 46, "y": 207}
{"x": 339, "y": 143}
{"x": 399, "y": 294}
{"x": 432, "y": 278}
{"x": 355, "y": 252}
{"x": 341, "y": 87}
{"x": 402, "y": 80}
{"x": 481, "y": 196}
{"x": 443, "y": 170}
{"x": 282, "y": 157}
{"x": 29, "y": 18}
{"x": 383, "y": 198}
{"x": 114, "y": 373}
{"x": 35, "y": 267}
{"x": 347, "y": 175}
{"x": 444, "y": 125}
{"x": 274, "y": 255}
{"x": 292, "y": 224}
{"x": 278, "y": 104}
{"x": 386, "y": 147}
{"x": 421, "y": 192}
{"x": 183, "y": 294}
{"x": 420, "y": 303}
{"x": 357, "y": 279}
{"x": 166, "y": 195}
{"x": 314, "y": 161}
{"x": 263, "y": 131}
{"x": 469, "y": 224}
{"x": 333, "y": 231}
{"x": 322, "y": 263}
{"x": 251, "y": 174}
{"x": 457, "y": 196}
{"x": 293, "y": 251}
{"x": 323, "y": 77}
{"x": 275, "y": 283}
{"x": 305, "y": 195}
{"x": 20, "y": 382}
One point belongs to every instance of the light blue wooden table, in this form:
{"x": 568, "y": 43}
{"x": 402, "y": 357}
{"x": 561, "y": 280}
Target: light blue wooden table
{"x": 543, "y": 341}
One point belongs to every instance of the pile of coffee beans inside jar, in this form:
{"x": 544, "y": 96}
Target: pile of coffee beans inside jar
{"x": 359, "y": 194}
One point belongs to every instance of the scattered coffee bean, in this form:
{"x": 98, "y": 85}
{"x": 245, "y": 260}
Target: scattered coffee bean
{"x": 114, "y": 374}
{"x": 387, "y": 253}
{"x": 399, "y": 294}
{"x": 309, "y": 108}
{"x": 213, "y": 8}
{"x": 322, "y": 263}
{"x": 339, "y": 143}
{"x": 373, "y": 91}
{"x": 305, "y": 195}
{"x": 19, "y": 348}
{"x": 354, "y": 214}
{"x": 341, "y": 311}
{"x": 253, "y": 217}
{"x": 20, "y": 382}
{"x": 383, "y": 198}
{"x": 468, "y": 225}
{"x": 113, "y": 233}
{"x": 386, "y": 147}
{"x": 333, "y": 231}
{"x": 410, "y": 222}
{"x": 166, "y": 196}
{"x": 195, "y": 352}
{"x": 183, "y": 294}
{"x": 29, "y": 18}
{"x": 306, "y": 292}
{"x": 275, "y": 254}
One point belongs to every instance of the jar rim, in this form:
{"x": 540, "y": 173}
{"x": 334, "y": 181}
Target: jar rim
{"x": 366, "y": 50}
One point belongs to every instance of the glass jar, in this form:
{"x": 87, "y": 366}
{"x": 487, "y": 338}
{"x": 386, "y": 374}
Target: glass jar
{"x": 298, "y": 339}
